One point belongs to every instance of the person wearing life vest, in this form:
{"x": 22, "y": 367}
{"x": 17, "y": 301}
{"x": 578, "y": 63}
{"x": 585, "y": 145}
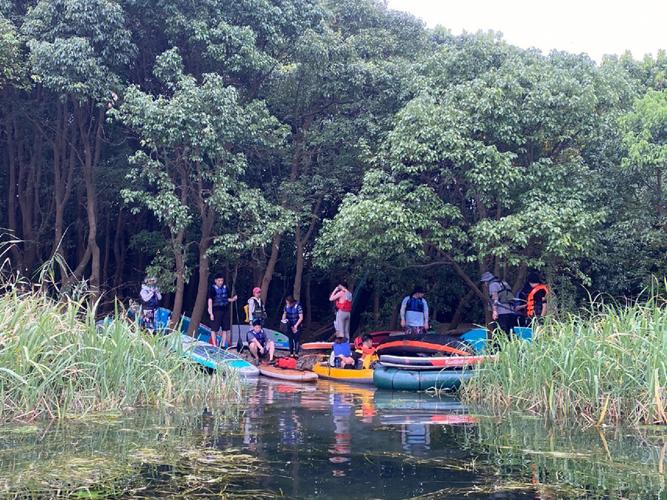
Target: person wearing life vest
{"x": 414, "y": 312}
{"x": 150, "y": 301}
{"x": 218, "y": 309}
{"x": 342, "y": 298}
{"x": 501, "y": 302}
{"x": 536, "y": 300}
{"x": 293, "y": 318}
{"x": 341, "y": 353}
{"x": 364, "y": 353}
{"x": 259, "y": 344}
{"x": 256, "y": 309}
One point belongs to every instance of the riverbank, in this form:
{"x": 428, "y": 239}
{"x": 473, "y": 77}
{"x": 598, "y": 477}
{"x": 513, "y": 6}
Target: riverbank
{"x": 609, "y": 368}
{"x": 56, "y": 363}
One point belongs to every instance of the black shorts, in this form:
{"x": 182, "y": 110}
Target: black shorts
{"x": 220, "y": 319}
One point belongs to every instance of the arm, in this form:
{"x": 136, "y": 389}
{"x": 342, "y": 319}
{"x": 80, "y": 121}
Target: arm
{"x": 403, "y": 306}
{"x": 425, "y": 314}
{"x": 232, "y": 299}
{"x": 145, "y": 294}
{"x": 296, "y": 325}
{"x": 336, "y": 294}
{"x": 251, "y": 308}
{"x": 210, "y": 307}
{"x": 159, "y": 295}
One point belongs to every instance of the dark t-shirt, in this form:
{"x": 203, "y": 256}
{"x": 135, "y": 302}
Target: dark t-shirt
{"x": 540, "y": 298}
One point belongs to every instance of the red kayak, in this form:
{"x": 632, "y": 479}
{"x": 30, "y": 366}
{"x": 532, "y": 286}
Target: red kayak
{"x": 429, "y": 343}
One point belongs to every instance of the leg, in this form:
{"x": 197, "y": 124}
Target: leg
{"x": 224, "y": 323}
{"x": 253, "y": 350}
{"x": 215, "y": 325}
{"x": 297, "y": 342}
{"x": 345, "y": 320}
{"x": 272, "y": 348}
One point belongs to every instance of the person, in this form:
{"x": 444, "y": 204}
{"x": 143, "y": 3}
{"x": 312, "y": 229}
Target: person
{"x": 218, "y": 302}
{"x": 256, "y": 309}
{"x": 364, "y": 353}
{"x": 502, "y": 303}
{"x": 150, "y": 301}
{"x": 414, "y": 312}
{"x": 536, "y": 299}
{"x": 342, "y": 298}
{"x": 259, "y": 344}
{"x": 293, "y": 316}
{"x": 341, "y": 353}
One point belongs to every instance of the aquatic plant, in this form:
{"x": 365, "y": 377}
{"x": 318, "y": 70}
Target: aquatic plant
{"x": 609, "y": 366}
{"x": 56, "y": 362}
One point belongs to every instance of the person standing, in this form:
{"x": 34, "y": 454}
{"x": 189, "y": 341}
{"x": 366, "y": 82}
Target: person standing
{"x": 150, "y": 301}
{"x": 293, "y": 315}
{"x": 414, "y": 312}
{"x": 536, "y": 301}
{"x": 256, "y": 309}
{"x": 502, "y": 302}
{"x": 342, "y": 298}
{"x": 218, "y": 309}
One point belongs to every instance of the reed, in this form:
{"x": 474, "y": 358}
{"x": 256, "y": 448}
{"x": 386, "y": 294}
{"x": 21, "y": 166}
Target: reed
{"x": 609, "y": 366}
{"x": 55, "y": 362}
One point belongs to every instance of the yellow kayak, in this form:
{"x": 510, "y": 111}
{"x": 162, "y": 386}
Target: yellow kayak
{"x": 354, "y": 376}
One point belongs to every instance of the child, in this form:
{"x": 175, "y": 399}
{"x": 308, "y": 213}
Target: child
{"x": 341, "y": 355}
{"x": 258, "y": 343}
{"x": 364, "y": 353}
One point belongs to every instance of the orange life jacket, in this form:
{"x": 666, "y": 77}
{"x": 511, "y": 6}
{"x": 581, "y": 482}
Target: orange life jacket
{"x": 530, "y": 301}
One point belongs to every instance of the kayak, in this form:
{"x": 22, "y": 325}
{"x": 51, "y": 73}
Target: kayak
{"x": 354, "y": 376}
{"x": 431, "y": 362}
{"x": 317, "y": 346}
{"x": 214, "y": 358}
{"x": 287, "y": 374}
{"x": 415, "y": 380}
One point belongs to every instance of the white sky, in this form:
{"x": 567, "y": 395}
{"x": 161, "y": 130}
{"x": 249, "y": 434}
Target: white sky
{"x": 596, "y": 27}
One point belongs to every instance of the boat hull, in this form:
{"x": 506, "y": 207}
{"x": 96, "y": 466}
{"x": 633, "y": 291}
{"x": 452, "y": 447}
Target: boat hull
{"x": 353, "y": 376}
{"x": 287, "y": 374}
{"x": 415, "y": 380}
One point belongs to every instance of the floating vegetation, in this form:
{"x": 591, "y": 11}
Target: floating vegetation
{"x": 608, "y": 369}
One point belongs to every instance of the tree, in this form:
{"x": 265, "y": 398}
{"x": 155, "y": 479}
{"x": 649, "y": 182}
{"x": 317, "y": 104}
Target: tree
{"x": 193, "y": 154}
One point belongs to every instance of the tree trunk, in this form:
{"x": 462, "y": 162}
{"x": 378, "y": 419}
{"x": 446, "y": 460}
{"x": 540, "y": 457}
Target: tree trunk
{"x": 300, "y": 260}
{"x": 458, "y": 313}
{"x": 271, "y": 265}
{"x": 12, "y": 222}
{"x": 202, "y": 287}
{"x": 119, "y": 249}
{"x": 376, "y": 305}
{"x": 179, "y": 258}
{"x": 309, "y": 309}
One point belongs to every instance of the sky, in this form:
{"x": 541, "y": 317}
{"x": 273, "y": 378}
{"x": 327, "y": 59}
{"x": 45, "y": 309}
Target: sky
{"x": 596, "y": 27}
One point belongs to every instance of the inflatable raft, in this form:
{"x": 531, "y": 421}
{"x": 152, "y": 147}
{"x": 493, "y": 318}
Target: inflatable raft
{"x": 287, "y": 374}
{"x": 432, "y": 362}
{"x": 415, "y": 380}
{"x": 354, "y": 376}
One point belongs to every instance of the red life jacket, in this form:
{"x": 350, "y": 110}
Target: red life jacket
{"x": 342, "y": 304}
{"x": 530, "y": 301}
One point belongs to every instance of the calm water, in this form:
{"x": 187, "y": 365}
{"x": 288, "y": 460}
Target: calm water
{"x": 329, "y": 441}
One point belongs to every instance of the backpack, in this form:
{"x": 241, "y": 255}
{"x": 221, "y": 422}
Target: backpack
{"x": 505, "y": 295}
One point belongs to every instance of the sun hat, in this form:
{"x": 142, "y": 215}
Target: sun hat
{"x": 487, "y": 276}
{"x": 256, "y": 290}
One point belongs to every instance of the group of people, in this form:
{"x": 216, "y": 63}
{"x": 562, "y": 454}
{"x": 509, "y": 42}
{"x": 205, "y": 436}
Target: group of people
{"x": 507, "y": 310}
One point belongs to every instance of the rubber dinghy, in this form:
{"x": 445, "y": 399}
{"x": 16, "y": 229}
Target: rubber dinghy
{"x": 428, "y": 343}
{"x": 215, "y": 358}
{"x": 353, "y": 376}
{"x": 287, "y": 374}
{"x": 431, "y": 362}
{"x": 395, "y": 379}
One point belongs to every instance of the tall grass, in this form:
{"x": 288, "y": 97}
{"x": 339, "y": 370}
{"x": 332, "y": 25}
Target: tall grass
{"x": 610, "y": 367}
{"x": 55, "y": 362}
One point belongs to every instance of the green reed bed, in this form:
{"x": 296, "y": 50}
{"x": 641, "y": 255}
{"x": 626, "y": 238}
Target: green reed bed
{"x": 55, "y": 363}
{"x": 608, "y": 368}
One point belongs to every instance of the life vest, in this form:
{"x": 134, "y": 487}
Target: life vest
{"x": 342, "y": 304}
{"x": 259, "y": 312}
{"x": 151, "y": 303}
{"x": 292, "y": 313}
{"x": 531, "y": 306}
{"x": 220, "y": 298}
{"x": 415, "y": 304}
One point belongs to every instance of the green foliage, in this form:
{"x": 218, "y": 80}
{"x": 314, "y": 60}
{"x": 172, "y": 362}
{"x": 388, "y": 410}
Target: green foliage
{"x": 606, "y": 368}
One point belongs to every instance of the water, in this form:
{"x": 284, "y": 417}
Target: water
{"x": 329, "y": 440}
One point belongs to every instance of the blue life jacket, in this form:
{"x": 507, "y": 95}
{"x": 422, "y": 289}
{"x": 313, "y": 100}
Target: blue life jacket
{"x": 414, "y": 304}
{"x": 292, "y": 313}
{"x": 152, "y": 303}
{"x": 220, "y": 297}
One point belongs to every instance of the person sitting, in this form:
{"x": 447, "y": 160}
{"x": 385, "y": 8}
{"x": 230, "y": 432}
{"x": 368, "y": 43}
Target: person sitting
{"x": 341, "y": 354}
{"x": 364, "y": 353}
{"x": 259, "y": 344}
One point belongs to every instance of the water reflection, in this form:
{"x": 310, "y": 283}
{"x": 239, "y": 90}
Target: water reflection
{"x": 331, "y": 440}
